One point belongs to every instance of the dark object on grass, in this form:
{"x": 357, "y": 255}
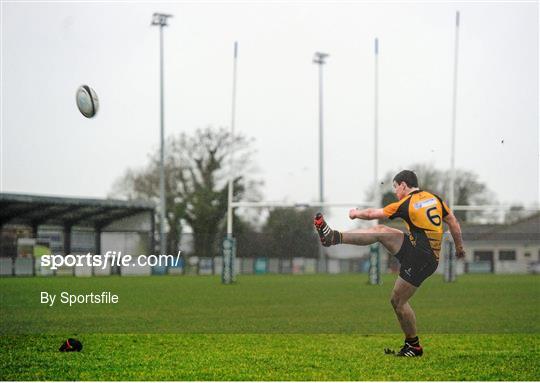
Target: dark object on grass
{"x": 71, "y": 345}
{"x": 388, "y": 351}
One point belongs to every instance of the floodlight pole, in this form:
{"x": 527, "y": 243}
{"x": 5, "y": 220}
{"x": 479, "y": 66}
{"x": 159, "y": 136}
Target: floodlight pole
{"x": 319, "y": 59}
{"x": 454, "y": 107}
{"x": 161, "y": 20}
{"x": 231, "y": 149}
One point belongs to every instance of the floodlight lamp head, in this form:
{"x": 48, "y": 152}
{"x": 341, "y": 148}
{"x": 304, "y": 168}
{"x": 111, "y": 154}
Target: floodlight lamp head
{"x": 319, "y": 57}
{"x": 160, "y": 19}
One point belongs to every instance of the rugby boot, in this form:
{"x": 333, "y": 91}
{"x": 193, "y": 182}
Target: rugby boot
{"x": 328, "y": 236}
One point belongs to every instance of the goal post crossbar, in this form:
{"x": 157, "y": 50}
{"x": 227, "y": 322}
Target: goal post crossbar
{"x": 270, "y": 204}
{"x": 277, "y": 204}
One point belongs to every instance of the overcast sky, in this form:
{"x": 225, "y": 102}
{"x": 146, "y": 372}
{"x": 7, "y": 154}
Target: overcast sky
{"x": 49, "y": 49}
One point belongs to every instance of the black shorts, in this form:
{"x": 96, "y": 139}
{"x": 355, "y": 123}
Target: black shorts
{"x": 416, "y": 264}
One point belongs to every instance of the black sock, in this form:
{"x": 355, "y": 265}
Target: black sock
{"x": 415, "y": 342}
{"x": 338, "y": 237}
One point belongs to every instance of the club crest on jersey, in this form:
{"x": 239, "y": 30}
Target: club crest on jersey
{"x": 412, "y": 239}
{"x": 425, "y": 203}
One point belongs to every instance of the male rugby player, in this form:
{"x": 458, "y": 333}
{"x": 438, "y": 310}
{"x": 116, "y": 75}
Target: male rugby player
{"x": 417, "y": 251}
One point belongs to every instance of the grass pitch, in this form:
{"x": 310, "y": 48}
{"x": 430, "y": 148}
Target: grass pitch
{"x": 275, "y": 327}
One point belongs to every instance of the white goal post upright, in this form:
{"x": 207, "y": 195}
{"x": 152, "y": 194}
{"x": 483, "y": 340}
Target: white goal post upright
{"x": 231, "y": 148}
{"x": 377, "y": 191}
{"x": 375, "y": 253}
{"x": 449, "y": 266}
{"x": 229, "y": 245}
{"x": 451, "y": 200}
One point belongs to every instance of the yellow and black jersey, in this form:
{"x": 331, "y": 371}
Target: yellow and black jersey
{"x": 423, "y": 212}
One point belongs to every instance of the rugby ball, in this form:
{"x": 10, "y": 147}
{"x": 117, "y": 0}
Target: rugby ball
{"x": 87, "y": 101}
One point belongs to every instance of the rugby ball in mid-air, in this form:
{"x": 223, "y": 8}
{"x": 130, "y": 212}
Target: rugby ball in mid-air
{"x": 87, "y": 101}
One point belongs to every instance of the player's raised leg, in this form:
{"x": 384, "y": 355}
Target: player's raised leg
{"x": 390, "y": 238}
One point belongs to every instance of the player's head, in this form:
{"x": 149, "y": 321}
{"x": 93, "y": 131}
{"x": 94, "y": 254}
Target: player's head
{"x": 403, "y": 181}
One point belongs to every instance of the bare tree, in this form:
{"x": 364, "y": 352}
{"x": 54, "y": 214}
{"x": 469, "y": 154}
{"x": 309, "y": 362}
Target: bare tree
{"x": 196, "y": 173}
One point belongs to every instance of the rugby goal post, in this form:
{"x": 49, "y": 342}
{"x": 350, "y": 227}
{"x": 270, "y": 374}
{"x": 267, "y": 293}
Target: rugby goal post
{"x": 449, "y": 261}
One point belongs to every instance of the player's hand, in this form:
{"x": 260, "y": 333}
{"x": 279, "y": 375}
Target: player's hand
{"x": 352, "y": 213}
{"x": 460, "y": 253}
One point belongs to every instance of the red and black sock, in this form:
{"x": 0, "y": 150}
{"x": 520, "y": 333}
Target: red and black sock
{"x": 415, "y": 342}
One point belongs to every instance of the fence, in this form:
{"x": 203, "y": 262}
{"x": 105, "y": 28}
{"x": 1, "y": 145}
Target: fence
{"x": 28, "y": 266}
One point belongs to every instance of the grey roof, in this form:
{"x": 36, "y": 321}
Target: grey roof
{"x": 85, "y": 212}
{"x": 524, "y": 230}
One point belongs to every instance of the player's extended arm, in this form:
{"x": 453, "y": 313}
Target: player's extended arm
{"x": 455, "y": 230}
{"x": 366, "y": 214}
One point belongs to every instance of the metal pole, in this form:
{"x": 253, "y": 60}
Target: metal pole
{"x": 321, "y": 136}
{"x": 231, "y": 149}
{"x": 451, "y": 196}
{"x": 161, "y": 20}
{"x": 376, "y": 128}
{"x": 162, "y": 240}
{"x": 322, "y": 264}
{"x": 375, "y": 255}
{"x": 319, "y": 59}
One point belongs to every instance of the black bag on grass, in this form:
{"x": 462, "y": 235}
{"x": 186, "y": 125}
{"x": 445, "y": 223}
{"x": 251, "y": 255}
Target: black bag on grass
{"x": 71, "y": 345}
